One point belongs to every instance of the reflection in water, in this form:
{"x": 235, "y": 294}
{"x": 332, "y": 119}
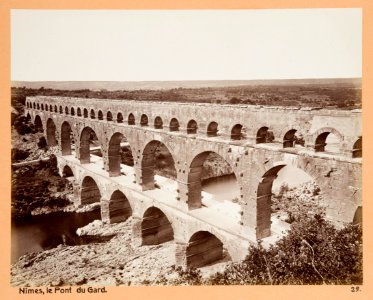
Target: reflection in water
{"x": 48, "y": 231}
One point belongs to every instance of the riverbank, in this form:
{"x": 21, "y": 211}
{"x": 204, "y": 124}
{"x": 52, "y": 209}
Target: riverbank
{"x": 112, "y": 262}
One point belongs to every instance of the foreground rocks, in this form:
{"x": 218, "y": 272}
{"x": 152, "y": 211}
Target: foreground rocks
{"x": 114, "y": 262}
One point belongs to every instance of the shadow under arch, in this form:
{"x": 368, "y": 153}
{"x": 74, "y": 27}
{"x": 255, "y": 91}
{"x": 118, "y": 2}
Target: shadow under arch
{"x": 119, "y": 207}
{"x": 156, "y": 227}
{"x": 66, "y": 138}
{"x": 203, "y": 249}
{"x": 90, "y": 192}
{"x": 51, "y": 133}
{"x": 155, "y": 157}
{"x": 115, "y": 154}
{"x": 86, "y": 137}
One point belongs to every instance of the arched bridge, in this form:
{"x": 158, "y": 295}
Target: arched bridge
{"x": 255, "y": 142}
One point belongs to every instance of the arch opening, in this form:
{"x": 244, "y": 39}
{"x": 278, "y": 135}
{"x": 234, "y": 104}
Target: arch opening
{"x": 100, "y": 115}
{"x": 213, "y": 184}
{"x": 38, "y": 106}
{"x": 119, "y": 152}
{"x": 90, "y": 193}
{"x": 144, "y": 120}
{"x": 67, "y": 139}
{"x": 55, "y": 108}
{"x": 155, "y": 227}
{"x": 264, "y": 135}
{"x": 51, "y": 108}
{"x": 212, "y": 129}
{"x": 236, "y": 132}
{"x": 282, "y": 194}
{"x": 203, "y": 249}
{"x": 51, "y": 133}
{"x": 66, "y": 110}
{"x": 327, "y": 142}
{"x": 92, "y": 114}
{"x": 357, "y": 150}
{"x": 174, "y": 124}
{"x": 89, "y": 144}
{"x": 192, "y": 127}
{"x": 38, "y": 124}
{"x": 131, "y": 119}
{"x": 109, "y": 116}
{"x": 85, "y": 112}
{"x": 72, "y": 111}
{"x": 119, "y": 118}
{"x": 290, "y": 139}
{"x": 157, "y": 160}
{"x": 119, "y": 208}
{"x": 42, "y": 106}
{"x": 158, "y": 123}
{"x": 79, "y": 112}
{"x": 46, "y": 107}
{"x": 61, "y": 110}
{"x": 67, "y": 172}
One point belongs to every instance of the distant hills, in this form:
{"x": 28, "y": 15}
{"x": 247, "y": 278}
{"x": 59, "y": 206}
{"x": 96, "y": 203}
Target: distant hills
{"x": 165, "y": 85}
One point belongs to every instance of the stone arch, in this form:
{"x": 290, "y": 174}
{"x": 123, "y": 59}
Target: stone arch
{"x": 212, "y": 129}
{"x": 203, "y": 249}
{"x": 46, "y": 107}
{"x": 90, "y": 192}
{"x": 50, "y": 108}
{"x": 158, "y": 123}
{"x": 66, "y": 110}
{"x": 119, "y": 207}
{"x": 289, "y": 138}
{"x": 34, "y": 105}
{"x": 114, "y": 153}
{"x": 66, "y": 138}
{"x": 192, "y": 127}
{"x": 264, "y": 135}
{"x": 119, "y": 117}
{"x": 42, "y": 106}
{"x": 263, "y": 203}
{"x": 85, "y": 138}
{"x": 38, "y": 124}
{"x": 195, "y": 178}
{"x": 144, "y": 120}
{"x": 72, "y": 111}
{"x": 131, "y": 119}
{"x": 67, "y": 171}
{"x": 174, "y": 124}
{"x": 51, "y": 133}
{"x": 92, "y": 114}
{"x": 357, "y": 150}
{"x": 148, "y": 163}
{"x": 79, "y": 112}
{"x": 38, "y": 106}
{"x": 322, "y": 134}
{"x": 109, "y": 116}
{"x": 85, "y": 112}
{"x": 100, "y": 115}
{"x": 55, "y": 108}
{"x": 236, "y": 132}
{"x": 155, "y": 227}
{"x": 61, "y": 109}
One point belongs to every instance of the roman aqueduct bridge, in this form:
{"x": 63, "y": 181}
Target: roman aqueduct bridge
{"x": 257, "y": 142}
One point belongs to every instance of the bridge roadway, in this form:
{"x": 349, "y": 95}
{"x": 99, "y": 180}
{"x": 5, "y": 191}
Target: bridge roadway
{"x": 214, "y": 217}
{"x": 255, "y": 153}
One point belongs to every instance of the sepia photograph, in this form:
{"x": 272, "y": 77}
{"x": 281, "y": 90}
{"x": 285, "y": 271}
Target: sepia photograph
{"x": 185, "y": 147}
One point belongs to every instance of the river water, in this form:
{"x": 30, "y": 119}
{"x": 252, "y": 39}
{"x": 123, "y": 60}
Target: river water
{"x": 44, "y": 232}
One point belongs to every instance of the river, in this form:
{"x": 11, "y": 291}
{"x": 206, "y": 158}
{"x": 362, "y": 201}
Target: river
{"x": 44, "y": 232}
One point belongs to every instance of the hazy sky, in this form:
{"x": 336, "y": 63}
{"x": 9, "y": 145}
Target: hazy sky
{"x": 185, "y": 45}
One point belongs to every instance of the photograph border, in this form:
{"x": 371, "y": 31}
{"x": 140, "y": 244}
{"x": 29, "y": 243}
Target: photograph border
{"x": 188, "y": 292}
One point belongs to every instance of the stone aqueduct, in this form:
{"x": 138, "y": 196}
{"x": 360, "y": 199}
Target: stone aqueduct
{"x": 256, "y": 142}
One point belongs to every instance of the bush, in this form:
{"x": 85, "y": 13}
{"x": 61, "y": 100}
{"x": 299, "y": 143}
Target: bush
{"x": 314, "y": 252}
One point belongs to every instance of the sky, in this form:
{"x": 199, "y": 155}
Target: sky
{"x": 155, "y": 45}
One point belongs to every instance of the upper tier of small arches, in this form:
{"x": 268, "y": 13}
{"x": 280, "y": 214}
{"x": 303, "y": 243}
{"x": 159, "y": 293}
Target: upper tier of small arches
{"x": 123, "y": 112}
